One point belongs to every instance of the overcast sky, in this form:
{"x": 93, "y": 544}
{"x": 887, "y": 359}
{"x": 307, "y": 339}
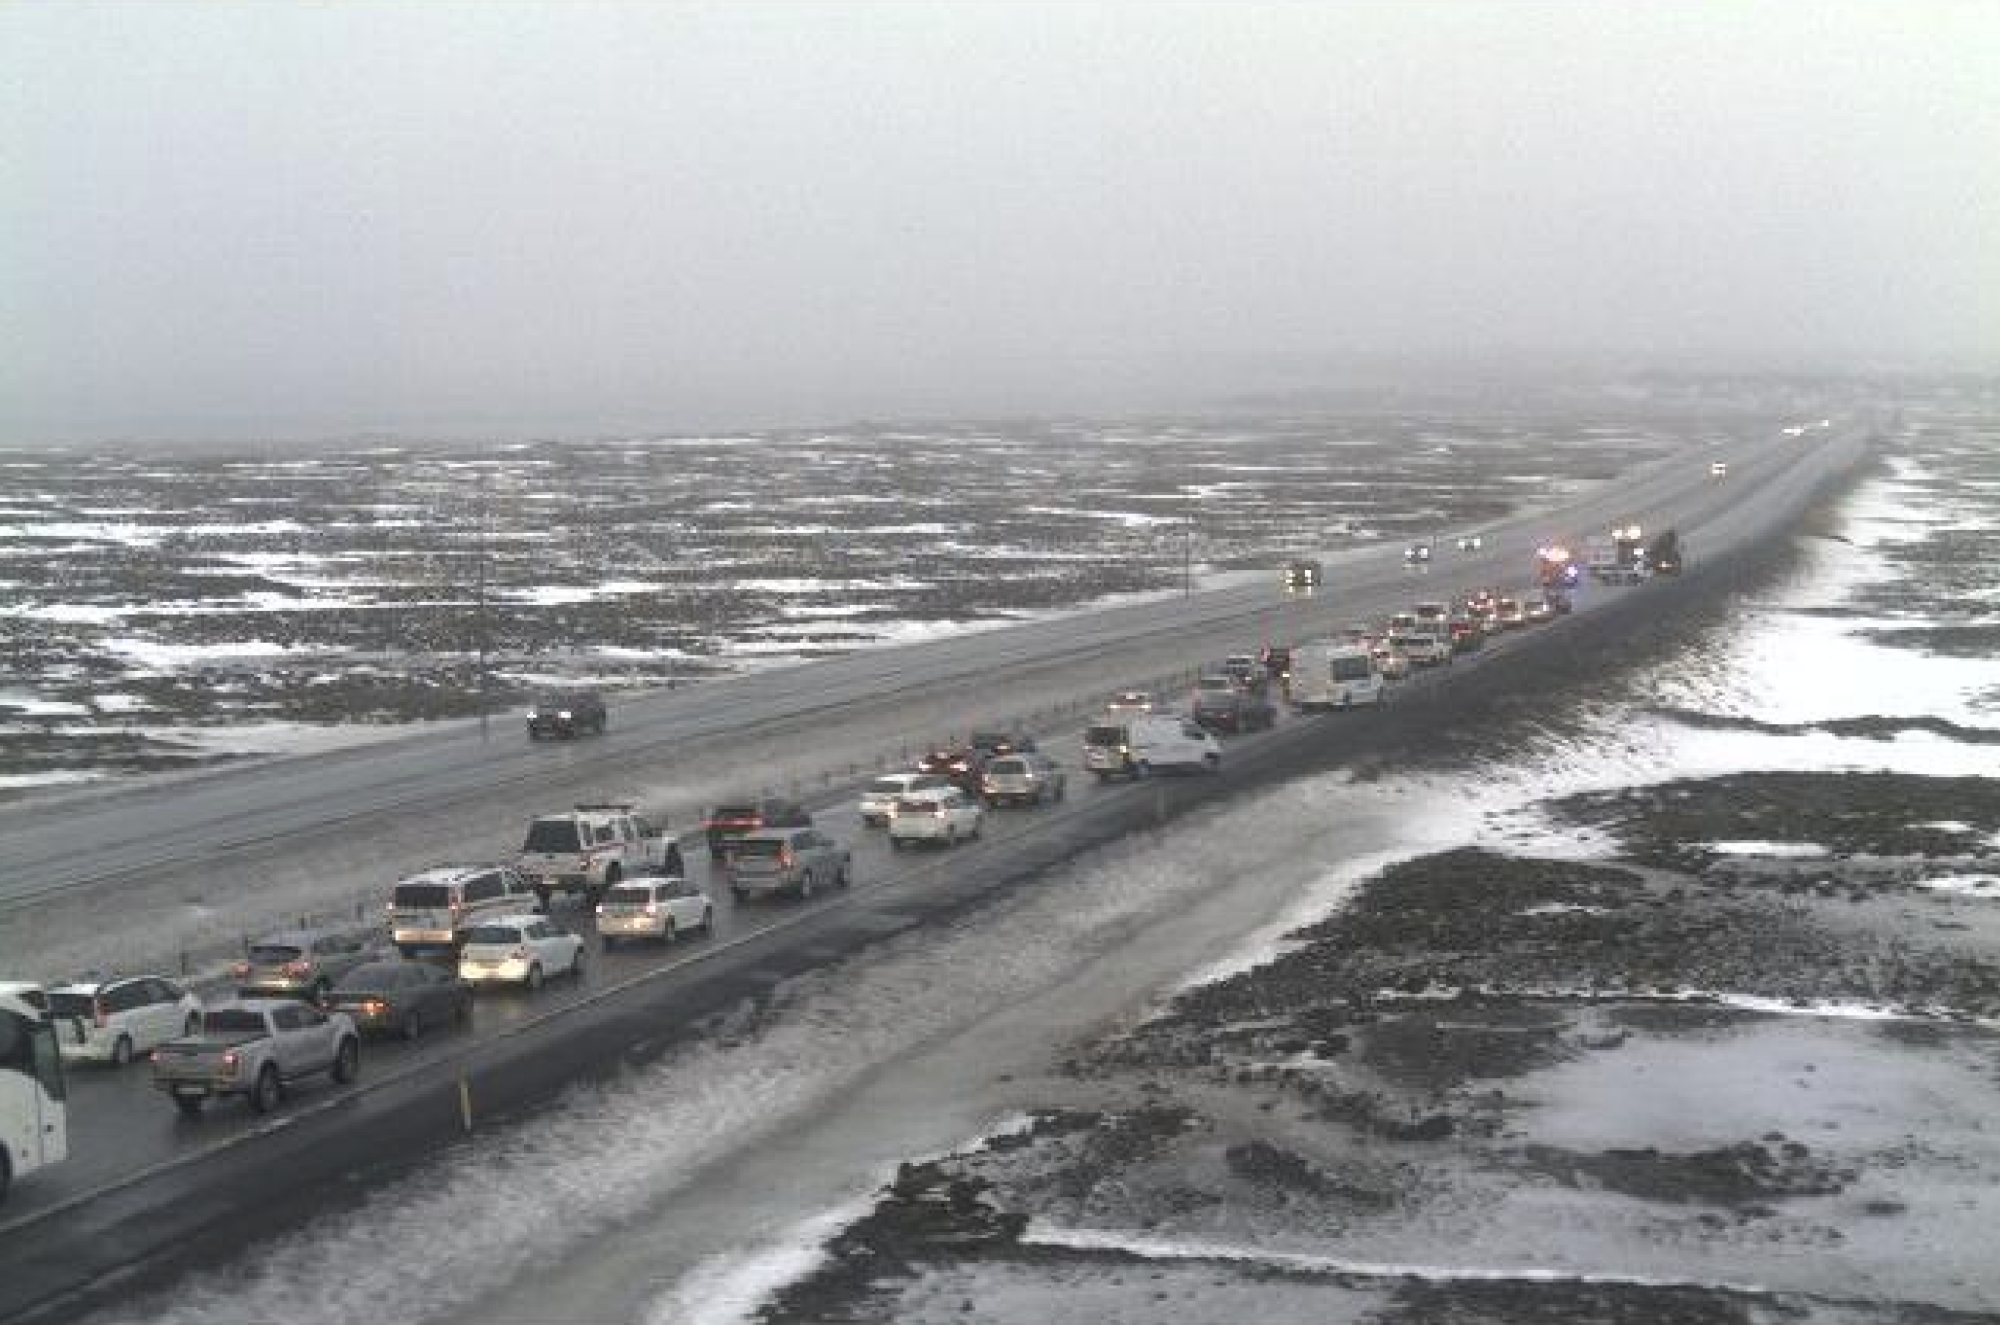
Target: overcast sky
{"x": 291, "y": 219}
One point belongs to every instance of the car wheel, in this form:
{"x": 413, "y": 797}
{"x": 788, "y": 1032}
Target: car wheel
{"x": 842, "y": 879}
{"x": 461, "y": 1012}
{"x": 264, "y": 1095}
{"x": 534, "y": 980}
{"x": 1102, "y": 775}
{"x": 1144, "y": 770}
{"x": 347, "y": 1061}
{"x": 576, "y": 963}
{"x": 805, "y": 885}
{"x": 708, "y": 920}
{"x": 896, "y": 844}
{"x": 192, "y": 1026}
{"x": 1214, "y": 763}
{"x": 671, "y": 932}
{"x": 951, "y": 836}
{"x": 413, "y": 1025}
{"x": 978, "y": 825}
{"x": 737, "y": 893}
{"x": 1062, "y": 790}
{"x": 189, "y": 1105}
{"x": 121, "y": 1051}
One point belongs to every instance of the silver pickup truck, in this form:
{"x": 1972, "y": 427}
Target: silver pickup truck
{"x": 256, "y": 1048}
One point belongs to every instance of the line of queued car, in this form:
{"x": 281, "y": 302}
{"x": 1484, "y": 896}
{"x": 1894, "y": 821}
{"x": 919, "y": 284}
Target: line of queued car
{"x": 943, "y": 798}
{"x": 493, "y": 921}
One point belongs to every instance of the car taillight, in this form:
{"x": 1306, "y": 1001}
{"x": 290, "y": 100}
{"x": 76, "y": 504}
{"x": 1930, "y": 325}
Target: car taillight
{"x": 457, "y": 910}
{"x": 519, "y": 954}
{"x": 785, "y": 858}
{"x": 229, "y": 1059}
{"x": 652, "y": 908}
{"x": 298, "y": 968}
{"x": 239, "y": 969}
{"x": 374, "y": 1007}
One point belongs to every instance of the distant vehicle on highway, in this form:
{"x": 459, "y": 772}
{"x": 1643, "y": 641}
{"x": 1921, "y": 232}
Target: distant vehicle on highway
{"x": 401, "y": 997}
{"x": 1129, "y": 704}
{"x": 963, "y": 764}
{"x": 1471, "y": 543}
{"x": 1417, "y": 554}
{"x": 1233, "y": 710}
{"x": 1144, "y": 745}
{"x": 1246, "y": 671}
{"x": 942, "y": 818}
{"x": 1028, "y": 778}
{"x": 589, "y": 848}
{"x": 991, "y": 743}
{"x": 300, "y": 962}
{"x": 879, "y": 796}
{"x": 1335, "y": 676}
{"x": 1718, "y": 468}
{"x": 657, "y": 908}
{"x": 566, "y": 713}
{"x": 1422, "y": 648}
{"x": 732, "y": 820}
{"x": 256, "y": 1049}
{"x": 1303, "y": 576}
{"x": 114, "y": 1021}
{"x": 794, "y": 860}
{"x": 524, "y": 950}
{"x": 431, "y": 909}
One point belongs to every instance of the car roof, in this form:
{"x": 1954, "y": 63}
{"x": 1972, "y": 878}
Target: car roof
{"x": 516, "y": 918}
{"x": 447, "y": 873}
{"x": 291, "y": 936}
{"x": 648, "y": 880}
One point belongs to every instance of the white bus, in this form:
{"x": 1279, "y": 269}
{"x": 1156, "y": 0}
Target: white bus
{"x": 34, "y": 1119}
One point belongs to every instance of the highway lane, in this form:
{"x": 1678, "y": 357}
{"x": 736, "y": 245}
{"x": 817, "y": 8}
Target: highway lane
{"x": 241, "y": 817}
{"x": 128, "y": 1139}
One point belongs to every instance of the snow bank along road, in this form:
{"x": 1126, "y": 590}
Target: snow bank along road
{"x": 144, "y": 1186}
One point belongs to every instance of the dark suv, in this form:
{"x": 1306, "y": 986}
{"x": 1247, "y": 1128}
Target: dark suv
{"x": 730, "y": 820}
{"x": 965, "y": 766}
{"x": 566, "y": 713}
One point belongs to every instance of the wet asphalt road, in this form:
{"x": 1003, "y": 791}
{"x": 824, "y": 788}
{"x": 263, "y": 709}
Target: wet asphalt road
{"x": 147, "y": 1189}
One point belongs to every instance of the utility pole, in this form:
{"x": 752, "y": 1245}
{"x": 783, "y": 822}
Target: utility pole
{"x": 480, "y": 625}
{"x": 1187, "y": 550}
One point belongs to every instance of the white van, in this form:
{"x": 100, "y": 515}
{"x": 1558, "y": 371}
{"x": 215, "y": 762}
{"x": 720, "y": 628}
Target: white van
{"x": 1141, "y": 746}
{"x": 1334, "y": 676}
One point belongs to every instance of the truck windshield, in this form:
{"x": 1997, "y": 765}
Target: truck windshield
{"x": 552, "y": 835}
{"x": 1350, "y": 669}
{"x": 422, "y": 896}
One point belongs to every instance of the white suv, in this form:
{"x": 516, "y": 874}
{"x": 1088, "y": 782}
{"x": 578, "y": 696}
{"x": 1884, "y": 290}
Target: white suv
{"x": 518, "y": 950}
{"x": 661, "y": 909}
{"x": 944, "y": 815}
{"x": 880, "y": 797}
{"x": 117, "y": 1020}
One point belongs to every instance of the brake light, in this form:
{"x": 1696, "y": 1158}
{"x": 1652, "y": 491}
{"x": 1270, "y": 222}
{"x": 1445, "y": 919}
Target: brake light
{"x": 457, "y": 910}
{"x": 229, "y": 1059}
{"x": 785, "y": 858}
{"x": 298, "y": 968}
{"x": 652, "y": 908}
{"x": 240, "y": 969}
{"x": 374, "y": 1007}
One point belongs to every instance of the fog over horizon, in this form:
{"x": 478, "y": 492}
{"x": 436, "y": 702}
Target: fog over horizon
{"x": 274, "y": 221}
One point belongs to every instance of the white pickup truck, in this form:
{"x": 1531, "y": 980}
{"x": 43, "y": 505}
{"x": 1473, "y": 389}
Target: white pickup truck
{"x": 255, "y": 1049}
{"x": 588, "y": 849}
